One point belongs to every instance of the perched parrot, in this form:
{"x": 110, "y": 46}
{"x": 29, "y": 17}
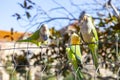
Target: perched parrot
{"x": 55, "y": 37}
{"x": 74, "y": 55}
{"x": 89, "y": 35}
{"x": 38, "y": 37}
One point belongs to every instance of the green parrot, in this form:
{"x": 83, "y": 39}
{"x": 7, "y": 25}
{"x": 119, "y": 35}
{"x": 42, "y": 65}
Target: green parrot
{"x": 41, "y": 36}
{"x": 74, "y": 55}
{"x": 89, "y": 35}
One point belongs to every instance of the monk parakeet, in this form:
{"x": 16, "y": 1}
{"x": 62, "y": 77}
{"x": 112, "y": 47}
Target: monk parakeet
{"x": 40, "y": 36}
{"x": 55, "y": 37}
{"x": 74, "y": 55}
{"x": 89, "y": 35}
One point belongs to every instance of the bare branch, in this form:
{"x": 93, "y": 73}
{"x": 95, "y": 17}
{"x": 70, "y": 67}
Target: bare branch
{"x": 73, "y": 4}
{"x": 60, "y": 12}
{"x": 45, "y": 13}
{"x": 64, "y": 8}
{"x": 114, "y": 8}
{"x": 49, "y": 20}
{"x": 99, "y": 2}
{"x": 56, "y": 8}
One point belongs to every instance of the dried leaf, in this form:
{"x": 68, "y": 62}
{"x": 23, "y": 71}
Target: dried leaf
{"x": 116, "y": 27}
{"x": 25, "y": 4}
{"x": 30, "y": 7}
{"x": 28, "y": 15}
{"x": 21, "y": 5}
{"x": 17, "y": 15}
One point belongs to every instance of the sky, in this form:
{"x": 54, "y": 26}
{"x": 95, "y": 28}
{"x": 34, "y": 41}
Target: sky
{"x": 9, "y": 7}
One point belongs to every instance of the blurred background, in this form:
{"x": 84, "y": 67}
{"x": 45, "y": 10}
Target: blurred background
{"x": 26, "y": 61}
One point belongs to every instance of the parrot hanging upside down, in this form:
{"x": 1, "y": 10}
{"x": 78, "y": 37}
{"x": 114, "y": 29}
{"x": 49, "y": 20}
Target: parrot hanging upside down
{"x": 89, "y": 35}
{"x": 40, "y": 36}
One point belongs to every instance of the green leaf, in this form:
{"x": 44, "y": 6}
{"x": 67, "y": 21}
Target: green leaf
{"x": 30, "y": 7}
{"x": 101, "y": 24}
{"x": 114, "y": 19}
{"x": 17, "y": 16}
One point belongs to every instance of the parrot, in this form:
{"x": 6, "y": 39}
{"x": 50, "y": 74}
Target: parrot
{"x": 55, "y": 37}
{"x": 74, "y": 55}
{"x": 89, "y": 35}
{"x": 42, "y": 35}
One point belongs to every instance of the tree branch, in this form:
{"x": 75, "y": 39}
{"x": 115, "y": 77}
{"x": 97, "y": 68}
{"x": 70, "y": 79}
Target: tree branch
{"x": 64, "y": 8}
{"x": 114, "y": 8}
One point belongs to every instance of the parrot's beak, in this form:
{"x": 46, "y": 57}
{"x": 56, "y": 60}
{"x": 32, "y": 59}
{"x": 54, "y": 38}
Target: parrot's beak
{"x": 81, "y": 16}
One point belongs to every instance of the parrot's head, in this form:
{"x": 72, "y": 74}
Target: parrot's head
{"x": 44, "y": 29}
{"x": 84, "y": 18}
{"x": 44, "y": 32}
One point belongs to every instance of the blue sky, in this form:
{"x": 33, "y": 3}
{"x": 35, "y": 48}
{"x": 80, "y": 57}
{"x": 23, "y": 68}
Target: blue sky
{"x": 9, "y": 7}
{"x": 6, "y": 10}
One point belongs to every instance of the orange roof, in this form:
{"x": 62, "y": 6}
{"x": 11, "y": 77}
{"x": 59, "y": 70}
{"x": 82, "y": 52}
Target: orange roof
{"x": 9, "y": 36}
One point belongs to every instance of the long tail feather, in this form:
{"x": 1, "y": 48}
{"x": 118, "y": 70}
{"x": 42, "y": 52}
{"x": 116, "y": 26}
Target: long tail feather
{"x": 73, "y": 60}
{"x": 93, "y": 48}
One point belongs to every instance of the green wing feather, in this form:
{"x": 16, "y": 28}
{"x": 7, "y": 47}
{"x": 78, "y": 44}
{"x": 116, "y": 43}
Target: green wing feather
{"x": 33, "y": 38}
{"x": 35, "y": 35}
{"x": 95, "y": 34}
{"x": 94, "y": 30}
{"x": 76, "y": 50}
{"x": 73, "y": 60}
{"x": 93, "y": 47}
